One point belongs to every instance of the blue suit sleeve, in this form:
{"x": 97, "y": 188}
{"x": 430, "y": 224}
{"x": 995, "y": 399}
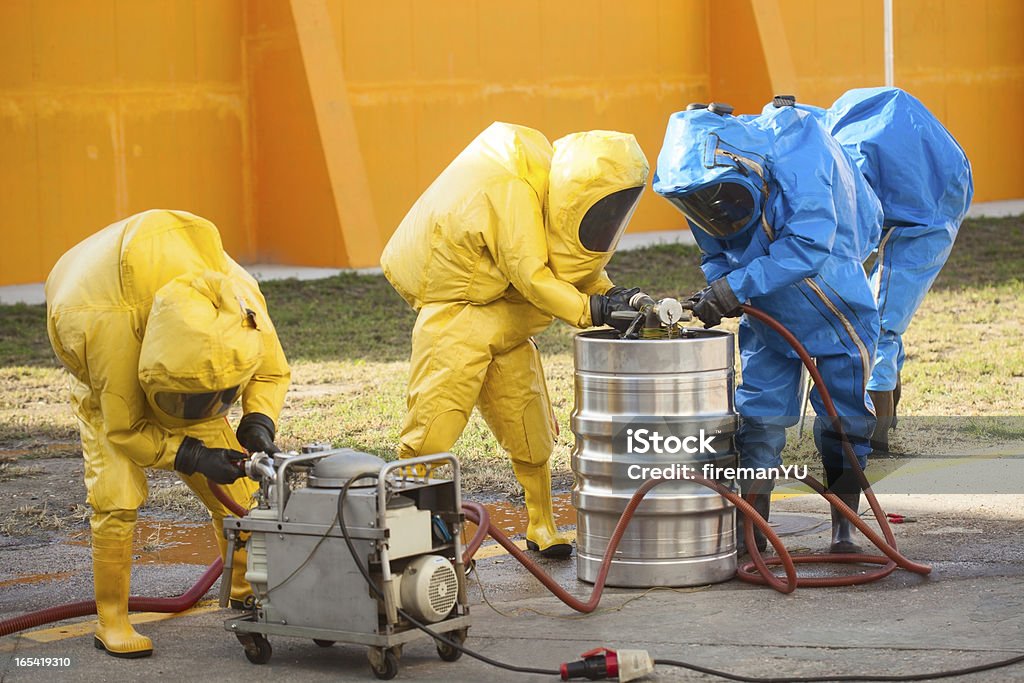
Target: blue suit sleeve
{"x": 712, "y": 259}
{"x": 799, "y": 250}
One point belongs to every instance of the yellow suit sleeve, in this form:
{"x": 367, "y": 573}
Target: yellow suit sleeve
{"x": 520, "y": 250}
{"x": 113, "y": 367}
{"x": 266, "y": 390}
{"x": 600, "y": 285}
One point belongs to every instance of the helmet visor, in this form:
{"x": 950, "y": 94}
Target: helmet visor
{"x": 606, "y": 220}
{"x": 201, "y": 406}
{"x": 721, "y": 210}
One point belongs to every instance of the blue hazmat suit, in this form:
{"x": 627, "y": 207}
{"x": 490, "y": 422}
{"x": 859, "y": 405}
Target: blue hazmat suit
{"x": 923, "y": 180}
{"x": 780, "y": 211}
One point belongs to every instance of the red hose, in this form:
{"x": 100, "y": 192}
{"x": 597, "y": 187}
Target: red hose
{"x": 758, "y": 569}
{"x": 136, "y": 603}
{"x": 891, "y": 558}
{"x": 590, "y": 605}
{"x": 482, "y": 519}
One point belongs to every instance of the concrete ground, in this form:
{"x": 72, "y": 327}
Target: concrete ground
{"x": 970, "y": 610}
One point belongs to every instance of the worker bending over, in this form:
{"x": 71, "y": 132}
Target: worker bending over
{"x": 512, "y": 234}
{"x": 923, "y": 179}
{"x": 784, "y": 222}
{"x": 161, "y": 332}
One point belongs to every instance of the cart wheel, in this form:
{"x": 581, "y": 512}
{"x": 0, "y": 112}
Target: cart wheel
{"x": 323, "y": 643}
{"x": 447, "y": 652}
{"x": 384, "y": 663}
{"x": 257, "y": 648}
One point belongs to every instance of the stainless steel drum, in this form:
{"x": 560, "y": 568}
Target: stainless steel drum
{"x": 682, "y": 534}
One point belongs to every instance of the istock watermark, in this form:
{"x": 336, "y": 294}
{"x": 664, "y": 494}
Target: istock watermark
{"x": 711, "y": 471}
{"x": 643, "y": 441}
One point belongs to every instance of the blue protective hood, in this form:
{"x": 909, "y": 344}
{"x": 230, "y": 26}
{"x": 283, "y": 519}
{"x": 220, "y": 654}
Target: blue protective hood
{"x": 917, "y": 169}
{"x": 816, "y": 205}
{"x": 708, "y": 149}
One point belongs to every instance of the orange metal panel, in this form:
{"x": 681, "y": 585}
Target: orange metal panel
{"x": 206, "y": 105}
{"x": 683, "y": 39}
{"x": 570, "y": 36}
{"x": 295, "y": 215}
{"x": 965, "y": 62}
{"x": 74, "y": 42}
{"x": 739, "y": 74}
{"x": 155, "y": 41}
{"x": 445, "y": 42}
{"x": 188, "y": 157}
{"x": 339, "y": 139}
{"x": 76, "y": 148}
{"x": 777, "y": 54}
{"x": 16, "y": 47}
{"x": 390, "y": 131}
{"x": 1005, "y": 48}
{"x": 377, "y": 40}
{"x": 21, "y": 256}
{"x": 510, "y": 42}
{"x": 626, "y": 38}
{"x": 218, "y": 39}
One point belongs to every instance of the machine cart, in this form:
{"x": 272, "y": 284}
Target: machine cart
{"x": 406, "y": 528}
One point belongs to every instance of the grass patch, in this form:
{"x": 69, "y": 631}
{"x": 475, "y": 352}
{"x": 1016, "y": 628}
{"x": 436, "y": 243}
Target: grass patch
{"x": 348, "y": 339}
{"x": 167, "y": 494}
{"x": 31, "y": 519}
{"x": 10, "y": 470}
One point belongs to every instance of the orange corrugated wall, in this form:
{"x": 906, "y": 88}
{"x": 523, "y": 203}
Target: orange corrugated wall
{"x": 108, "y": 107}
{"x": 963, "y": 58}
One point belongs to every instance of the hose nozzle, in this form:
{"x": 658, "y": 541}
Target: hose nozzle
{"x": 668, "y": 311}
{"x": 260, "y": 467}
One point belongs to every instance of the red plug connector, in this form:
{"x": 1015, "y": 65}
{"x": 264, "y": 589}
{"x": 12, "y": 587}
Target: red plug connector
{"x": 603, "y": 662}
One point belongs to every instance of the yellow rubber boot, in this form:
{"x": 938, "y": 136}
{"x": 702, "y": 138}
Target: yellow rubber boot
{"x": 541, "y": 532}
{"x": 111, "y": 568}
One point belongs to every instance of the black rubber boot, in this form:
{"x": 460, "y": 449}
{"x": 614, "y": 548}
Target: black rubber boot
{"x": 842, "y": 528}
{"x": 884, "y": 411}
{"x": 896, "y": 399}
{"x": 848, "y": 491}
{"x": 762, "y": 502}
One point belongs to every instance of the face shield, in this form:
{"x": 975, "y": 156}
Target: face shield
{"x": 196, "y": 406}
{"x": 606, "y": 220}
{"x": 722, "y": 210}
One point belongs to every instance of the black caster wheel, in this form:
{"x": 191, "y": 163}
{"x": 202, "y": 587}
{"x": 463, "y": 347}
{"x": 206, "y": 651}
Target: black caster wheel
{"x": 447, "y": 652}
{"x": 323, "y": 643}
{"x": 384, "y": 663}
{"x": 257, "y": 647}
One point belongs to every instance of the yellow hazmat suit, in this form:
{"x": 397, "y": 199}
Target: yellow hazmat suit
{"x": 147, "y": 314}
{"x": 510, "y": 235}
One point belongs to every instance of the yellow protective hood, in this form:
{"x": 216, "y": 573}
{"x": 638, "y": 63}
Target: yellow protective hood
{"x": 202, "y": 336}
{"x": 586, "y": 168}
{"x": 523, "y": 152}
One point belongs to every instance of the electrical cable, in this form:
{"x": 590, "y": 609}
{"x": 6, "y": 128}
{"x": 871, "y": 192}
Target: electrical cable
{"x": 842, "y": 678}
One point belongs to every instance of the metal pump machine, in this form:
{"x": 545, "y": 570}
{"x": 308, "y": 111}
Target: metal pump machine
{"x": 405, "y": 529}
